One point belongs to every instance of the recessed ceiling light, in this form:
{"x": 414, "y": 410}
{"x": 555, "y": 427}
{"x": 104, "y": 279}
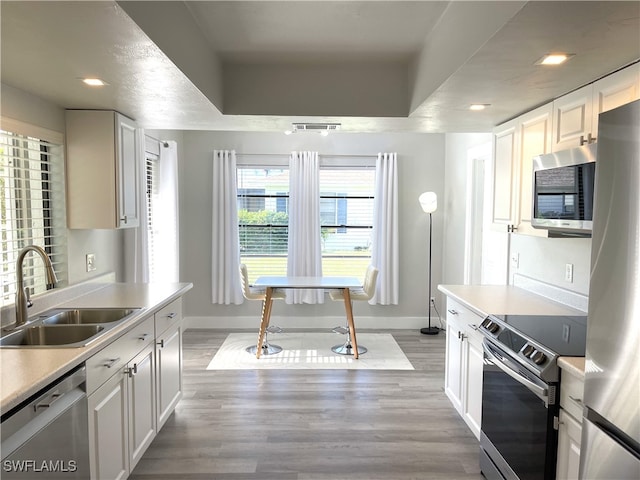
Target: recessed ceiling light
{"x": 478, "y": 106}
{"x": 94, "y": 82}
{"x": 554, "y": 58}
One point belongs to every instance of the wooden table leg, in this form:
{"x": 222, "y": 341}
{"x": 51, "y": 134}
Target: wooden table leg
{"x": 264, "y": 320}
{"x": 352, "y": 326}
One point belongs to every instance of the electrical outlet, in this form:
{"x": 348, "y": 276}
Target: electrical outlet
{"x": 568, "y": 272}
{"x": 91, "y": 262}
{"x": 515, "y": 260}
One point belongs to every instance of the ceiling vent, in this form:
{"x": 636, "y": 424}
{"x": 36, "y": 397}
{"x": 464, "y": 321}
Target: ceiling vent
{"x": 315, "y": 127}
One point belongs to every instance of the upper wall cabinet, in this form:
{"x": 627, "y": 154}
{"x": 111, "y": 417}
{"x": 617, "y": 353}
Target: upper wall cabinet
{"x": 102, "y": 170}
{"x": 516, "y": 143}
{"x": 575, "y": 115}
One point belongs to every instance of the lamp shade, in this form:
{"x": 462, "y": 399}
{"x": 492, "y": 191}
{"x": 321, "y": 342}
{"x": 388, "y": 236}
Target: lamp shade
{"x": 428, "y": 202}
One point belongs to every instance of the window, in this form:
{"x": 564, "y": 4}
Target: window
{"x": 152, "y": 200}
{"x": 346, "y": 216}
{"x": 263, "y": 219}
{"x": 32, "y": 210}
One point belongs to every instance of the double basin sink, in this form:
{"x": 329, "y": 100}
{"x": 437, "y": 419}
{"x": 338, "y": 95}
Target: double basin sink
{"x": 66, "y": 327}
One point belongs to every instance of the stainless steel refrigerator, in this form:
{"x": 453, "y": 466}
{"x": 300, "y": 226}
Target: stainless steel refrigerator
{"x": 610, "y": 447}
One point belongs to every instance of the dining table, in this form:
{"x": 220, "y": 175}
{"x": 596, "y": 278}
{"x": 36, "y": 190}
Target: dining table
{"x": 271, "y": 283}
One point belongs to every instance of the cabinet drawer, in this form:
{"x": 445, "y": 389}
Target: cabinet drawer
{"x": 571, "y": 393}
{"x": 113, "y": 357}
{"x": 463, "y": 316}
{"x": 168, "y": 316}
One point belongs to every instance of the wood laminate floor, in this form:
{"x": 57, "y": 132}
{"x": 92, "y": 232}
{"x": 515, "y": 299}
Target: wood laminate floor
{"x": 313, "y": 424}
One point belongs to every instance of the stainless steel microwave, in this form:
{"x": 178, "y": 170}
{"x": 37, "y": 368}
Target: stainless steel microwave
{"x": 563, "y": 186}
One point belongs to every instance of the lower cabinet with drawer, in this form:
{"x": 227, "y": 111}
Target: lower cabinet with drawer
{"x": 464, "y": 360}
{"x": 168, "y": 322}
{"x": 569, "y": 426}
{"x": 133, "y": 385}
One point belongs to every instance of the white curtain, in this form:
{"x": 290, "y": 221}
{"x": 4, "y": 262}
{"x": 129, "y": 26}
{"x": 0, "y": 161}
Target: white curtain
{"x": 166, "y": 261}
{"x": 225, "y": 250}
{"x": 385, "y": 252}
{"x": 136, "y": 239}
{"x": 304, "y": 248}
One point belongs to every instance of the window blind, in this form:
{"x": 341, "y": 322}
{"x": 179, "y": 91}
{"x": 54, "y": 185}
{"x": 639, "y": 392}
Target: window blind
{"x": 32, "y": 210}
{"x": 152, "y": 198}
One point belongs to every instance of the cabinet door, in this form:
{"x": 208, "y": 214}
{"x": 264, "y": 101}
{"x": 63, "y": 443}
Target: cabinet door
{"x": 615, "y": 90}
{"x": 572, "y": 117}
{"x": 108, "y": 433}
{"x": 141, "y": 393}
{"x": 473, "y": 384}
{"x": 127, "y": 172}
{"x": 169, "y": 372}
{"x": 504, "y": 175}
{"x": 453, "y": 365}
{"x": 569, "y": 438}
{"x": 535, "y": 139}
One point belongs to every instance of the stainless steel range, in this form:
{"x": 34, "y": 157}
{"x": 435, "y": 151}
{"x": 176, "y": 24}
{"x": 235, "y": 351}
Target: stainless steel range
{"x": 520, "y": 397}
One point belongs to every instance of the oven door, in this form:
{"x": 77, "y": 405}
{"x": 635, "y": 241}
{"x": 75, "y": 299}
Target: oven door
{"x": 518, "y": 439}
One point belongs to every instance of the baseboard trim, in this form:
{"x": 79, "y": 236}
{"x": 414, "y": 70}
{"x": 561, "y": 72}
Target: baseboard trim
{"x": 309, "y": 323}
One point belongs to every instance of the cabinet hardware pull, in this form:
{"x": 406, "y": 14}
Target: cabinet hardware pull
{"x": 452, "y": 311}
{"x": 143, "y": 336}
{"x": 582, "y": 140}
{"x": 475, "y": 327}
{"x": 172, "y": 315}
{"x": 124, "y": 219}
{"x": 111, "y": 362}
{"x": 161, "y": 343}
{"x": 132, "y": 370}
{"x": 462, "y": 336}
{"x": 577, "y": 400}
{"x": 53, "y": 398}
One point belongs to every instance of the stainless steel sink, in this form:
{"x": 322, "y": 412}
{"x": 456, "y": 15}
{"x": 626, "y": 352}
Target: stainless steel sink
{"x": 83, "y": 316}
{"x": 65, "y": 327}
{"x": 51, "y": 335}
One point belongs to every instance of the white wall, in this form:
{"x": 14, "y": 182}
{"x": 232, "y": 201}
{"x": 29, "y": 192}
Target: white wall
{"x": 420, "y": 168}
{"x": 544, "y": 259}
{"x": 455, "y": 201}
{"x": 107, "y": 245}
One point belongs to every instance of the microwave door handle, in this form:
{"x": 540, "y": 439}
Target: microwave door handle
{"x": 541, "y": 392}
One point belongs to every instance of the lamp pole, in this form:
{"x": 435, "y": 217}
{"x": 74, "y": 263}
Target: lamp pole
{"x": 430, "y": 330}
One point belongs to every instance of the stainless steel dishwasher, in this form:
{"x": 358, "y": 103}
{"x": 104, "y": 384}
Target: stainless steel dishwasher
{"x": 46, "y": 436}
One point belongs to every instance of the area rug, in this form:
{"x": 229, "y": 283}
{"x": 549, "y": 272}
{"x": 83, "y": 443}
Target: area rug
{"x": 310, "y": 351}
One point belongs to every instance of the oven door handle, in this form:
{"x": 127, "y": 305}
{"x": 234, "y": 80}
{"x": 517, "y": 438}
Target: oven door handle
{"x": 540, "y": 392}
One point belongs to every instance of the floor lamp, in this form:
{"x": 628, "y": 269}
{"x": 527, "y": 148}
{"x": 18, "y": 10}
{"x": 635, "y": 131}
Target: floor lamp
{"x": 429, "y": 203}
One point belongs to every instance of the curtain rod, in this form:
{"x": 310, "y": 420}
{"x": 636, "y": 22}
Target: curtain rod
{"x": 164, "y": 143}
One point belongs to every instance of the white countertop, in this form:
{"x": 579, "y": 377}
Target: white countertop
{"x": 509, "y": 300}
{"x": 24, "y": 371}
{"x": 505, "y": 300}
{"x": 574, "y": 365}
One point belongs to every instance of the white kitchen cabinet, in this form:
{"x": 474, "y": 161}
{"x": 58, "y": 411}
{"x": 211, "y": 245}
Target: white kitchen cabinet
{"x": 569, "y": 426}
{"x": 102, "y": 170}
{"x": 505, "y": 147}
{"x": 141, "y": 394}
{"x": 575, "y": 115}
{"x": 108, "y": 429}
{"x": 464, "y": 361}
{"x": 516, "y": 143}
{"x": 169, "y": 372}
{"x": 121, "y": 389}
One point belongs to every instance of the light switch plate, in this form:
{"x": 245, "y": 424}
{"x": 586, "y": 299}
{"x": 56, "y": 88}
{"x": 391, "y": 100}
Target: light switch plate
{"x": 568, "y": 272}
{"x": 91, "y": 262}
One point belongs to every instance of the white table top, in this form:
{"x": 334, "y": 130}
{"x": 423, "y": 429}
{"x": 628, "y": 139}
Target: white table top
{"x": 308, "y": 282}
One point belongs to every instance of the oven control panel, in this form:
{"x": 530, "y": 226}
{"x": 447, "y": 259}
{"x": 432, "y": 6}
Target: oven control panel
{"x": 527, "y": 350}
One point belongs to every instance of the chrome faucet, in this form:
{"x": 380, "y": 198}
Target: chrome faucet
{"x": 23, "y": 300}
